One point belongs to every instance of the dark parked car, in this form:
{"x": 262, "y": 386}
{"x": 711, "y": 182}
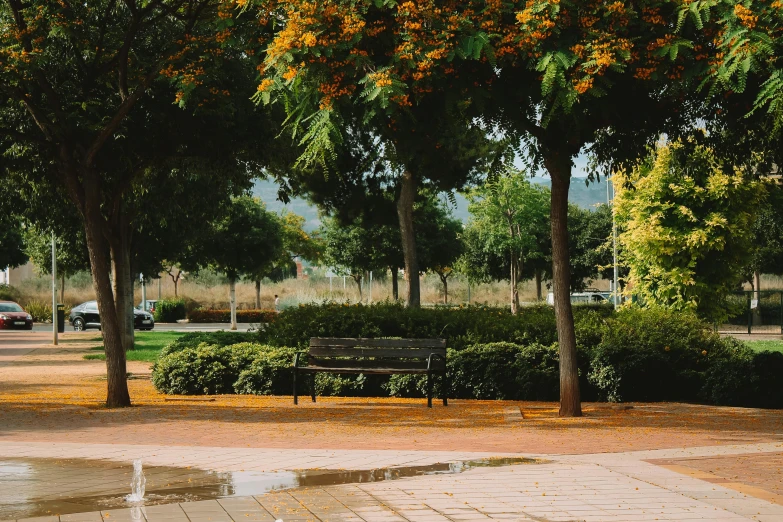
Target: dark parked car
{"x": 13, "y": 316}
{"x": 86, "y": 316}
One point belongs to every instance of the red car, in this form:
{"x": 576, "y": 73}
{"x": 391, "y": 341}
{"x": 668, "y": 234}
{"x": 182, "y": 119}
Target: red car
{"x": 13, "y": 316}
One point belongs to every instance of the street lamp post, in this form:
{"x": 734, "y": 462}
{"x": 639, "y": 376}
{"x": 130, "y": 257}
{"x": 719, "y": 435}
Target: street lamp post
{"x": 54, "y": 293}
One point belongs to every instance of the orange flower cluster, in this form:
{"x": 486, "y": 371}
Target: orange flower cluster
{"x": 381, "y": 79}
{"x": 746, "y": 16}
{"x": 265, "y": 84}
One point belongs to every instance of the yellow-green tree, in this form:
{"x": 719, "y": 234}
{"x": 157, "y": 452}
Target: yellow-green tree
{"x": 686, "y": 225}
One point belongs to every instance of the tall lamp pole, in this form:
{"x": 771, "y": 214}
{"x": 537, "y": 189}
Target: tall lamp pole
{"x": 610, "y": 202}
{"x": 54, "y": 293}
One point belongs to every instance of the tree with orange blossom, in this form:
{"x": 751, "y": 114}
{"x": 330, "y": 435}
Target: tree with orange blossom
{"x": 566, "y": 76}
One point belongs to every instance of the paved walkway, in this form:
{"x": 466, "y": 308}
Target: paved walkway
{"x": 625, "y": 486}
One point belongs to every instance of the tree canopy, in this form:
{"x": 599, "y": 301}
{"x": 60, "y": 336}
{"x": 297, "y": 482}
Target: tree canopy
{"x": 686, "y": 228}
{"x": 246, "y": 240}
{"x": 510, "y": 217}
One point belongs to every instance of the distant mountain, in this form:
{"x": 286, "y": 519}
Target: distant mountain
{"x": 586, "y": 196}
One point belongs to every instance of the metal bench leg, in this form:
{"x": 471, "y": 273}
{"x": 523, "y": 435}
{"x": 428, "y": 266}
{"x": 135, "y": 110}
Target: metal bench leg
{"x": 296, "y": 397}
{"x": 312, "y": 387}
{"x": 429, "y": 390}
{"x": 445, "y": 391}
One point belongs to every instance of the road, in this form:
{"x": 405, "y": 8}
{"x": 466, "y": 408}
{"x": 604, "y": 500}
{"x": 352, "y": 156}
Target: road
{"x": 162, "y": 327}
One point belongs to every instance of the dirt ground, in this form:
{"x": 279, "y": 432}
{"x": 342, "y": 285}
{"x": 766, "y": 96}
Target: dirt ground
{"x": 50, "y": 393}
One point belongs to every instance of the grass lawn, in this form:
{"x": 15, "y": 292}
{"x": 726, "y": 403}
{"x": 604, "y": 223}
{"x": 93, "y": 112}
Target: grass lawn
{"x": 766, "y": 346}
{"x": 147, "y": 346}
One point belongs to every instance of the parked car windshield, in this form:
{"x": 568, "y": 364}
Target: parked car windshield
{"x": 10, "y": 307}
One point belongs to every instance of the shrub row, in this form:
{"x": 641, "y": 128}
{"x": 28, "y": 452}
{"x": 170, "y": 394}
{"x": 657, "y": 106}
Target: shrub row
{"x": 633, "y": 355}
{"x": 201, "y": 315}
{"x": 194, "y": 339}
{"x": 462, "y": 327}
{"x": 170, "y": 310}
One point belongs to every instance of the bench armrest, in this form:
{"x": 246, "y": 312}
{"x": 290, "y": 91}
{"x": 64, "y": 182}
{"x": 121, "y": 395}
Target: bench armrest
{"x": 429, "y": 360}
{"x": 296, "y": 359}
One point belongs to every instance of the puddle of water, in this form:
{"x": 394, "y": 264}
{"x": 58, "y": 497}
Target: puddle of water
{"x": 39, "y": 487}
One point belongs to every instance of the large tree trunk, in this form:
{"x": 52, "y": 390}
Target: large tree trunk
{"x": 405, "y": 215}
{"x": 232, "y": 300}
{"x": 358, "y": 280}
{"x": 395, "y": 283}
{"x": 122, "y": 280}
{"x": 258, "y": 295}
{"x": 116, "y": 374}
{"x": 176, "y": 285}
{"x": 559, "y": 167}
{"x": 538, "y": 284}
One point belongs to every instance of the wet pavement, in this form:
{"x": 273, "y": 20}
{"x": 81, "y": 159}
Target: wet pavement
{"x": 51, "y": 487}
{"x": 395, "y": 486}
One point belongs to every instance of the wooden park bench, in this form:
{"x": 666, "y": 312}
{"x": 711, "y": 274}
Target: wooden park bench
{"x": 375, "y": 356}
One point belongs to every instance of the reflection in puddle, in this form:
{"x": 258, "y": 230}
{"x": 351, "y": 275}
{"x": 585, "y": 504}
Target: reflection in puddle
{"x": 37, "y": 487}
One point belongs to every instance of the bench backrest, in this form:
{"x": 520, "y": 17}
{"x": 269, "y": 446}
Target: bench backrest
{"x": 408, "y": 352}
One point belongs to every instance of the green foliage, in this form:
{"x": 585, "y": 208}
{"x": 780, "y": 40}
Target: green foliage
{"x": 246, "y": 240}
{"x": 9, "y": 293}
{"x": 461, "y": 327}
{"x": 505, "y": 371}
{"x": 41, "y": 312}
{"x": 268, "y": 374}
{"x": 768, "y": 234}
{"x": 170, "y": 310}
{"x": 589, "y": 245}
{"x": 71, "y": 251}
{"x": 200, "y": 315}
{"x": 686, "y": 228}
{"x": 194, "y": 339}
{"x": 509, "y": 220}
{"x": 514, "y": 200}
{"x": 634, "y": 355}
{"x": 12, "y": 252}
{"x": 205, "y": 369}
{"x": 656, "y": 355}
{"x": 751, "y": 380}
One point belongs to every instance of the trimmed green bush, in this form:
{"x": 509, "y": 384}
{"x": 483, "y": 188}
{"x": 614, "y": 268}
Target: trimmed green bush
{"x": 461, "y": 327}
{"x": 505, "y": 371}
{"x": 201, "y": 315}
{"x": 752, "y": 379}
{"x": 633, "y": 355}
{"x": 269, "y": 373}
{"x": 656, "y": 355}
{"x": 194, "y": 339}
{"x": 205, "y": 369}
{"x": 170, "y": 310}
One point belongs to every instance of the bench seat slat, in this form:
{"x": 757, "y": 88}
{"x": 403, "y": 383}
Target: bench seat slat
{"x": 362, "y": 351}
{"x": 369, "y": 364}
{"x": 384, "y": 371}
{"x": 378, "y": 343}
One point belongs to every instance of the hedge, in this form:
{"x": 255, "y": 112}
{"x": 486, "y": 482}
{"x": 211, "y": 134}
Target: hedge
{"x": 632, "y": 355}
{"x": 170, "y": 310}
{"x": 201, "y": 315}
{"x": 461, "y": 327}
{"x": 194, "y": 339}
